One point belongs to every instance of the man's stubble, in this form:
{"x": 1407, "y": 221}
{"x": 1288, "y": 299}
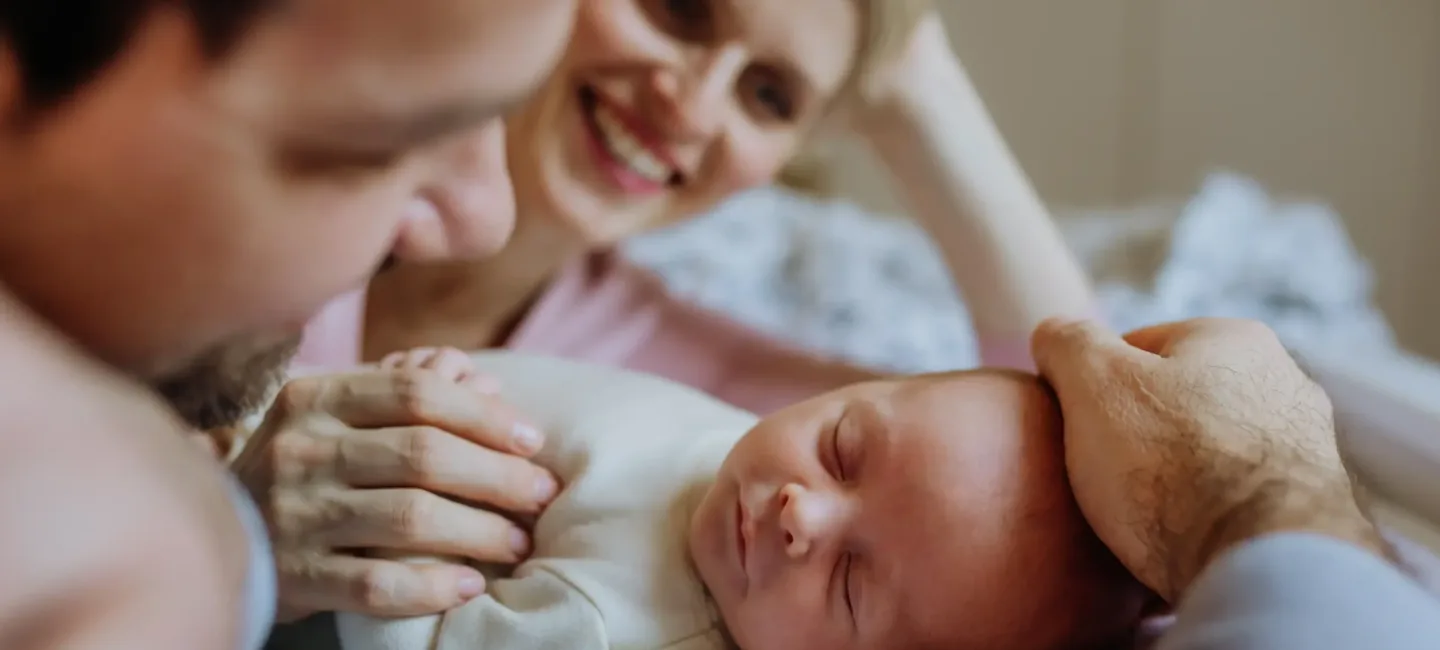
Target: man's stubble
{"x": 228, "y": 382}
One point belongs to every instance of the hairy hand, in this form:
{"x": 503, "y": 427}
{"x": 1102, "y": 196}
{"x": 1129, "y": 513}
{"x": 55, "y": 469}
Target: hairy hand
{"x": 1186, "y": 438}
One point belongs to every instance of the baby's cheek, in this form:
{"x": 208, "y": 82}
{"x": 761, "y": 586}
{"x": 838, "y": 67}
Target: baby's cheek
{"x": 785, "y": 617}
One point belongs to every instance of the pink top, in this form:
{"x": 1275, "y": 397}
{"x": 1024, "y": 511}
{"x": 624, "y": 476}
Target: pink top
{"x": 602, "y": 309}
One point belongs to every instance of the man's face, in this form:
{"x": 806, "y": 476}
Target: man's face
{"x": 176, "y": 204}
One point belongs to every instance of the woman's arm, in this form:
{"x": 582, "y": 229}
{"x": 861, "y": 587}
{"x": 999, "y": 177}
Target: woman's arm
{"x": 928, "y": 124}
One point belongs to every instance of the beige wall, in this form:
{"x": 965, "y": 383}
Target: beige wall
{"x": 1112, "y": 101}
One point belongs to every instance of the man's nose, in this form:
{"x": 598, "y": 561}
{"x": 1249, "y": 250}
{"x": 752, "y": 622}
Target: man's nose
{"x": 808, "y": 518}
{"x": 466, "y": 208}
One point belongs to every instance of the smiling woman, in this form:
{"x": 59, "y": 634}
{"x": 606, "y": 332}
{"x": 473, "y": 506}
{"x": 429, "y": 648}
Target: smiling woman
{"x": 662, "y": 109}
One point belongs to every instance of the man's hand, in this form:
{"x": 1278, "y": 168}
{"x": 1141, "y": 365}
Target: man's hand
{"x": 385, "y": 462}
{"x": 1187, "y": 438}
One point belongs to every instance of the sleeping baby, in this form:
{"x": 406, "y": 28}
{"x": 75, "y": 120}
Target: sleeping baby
{"x": 921, "y": 512}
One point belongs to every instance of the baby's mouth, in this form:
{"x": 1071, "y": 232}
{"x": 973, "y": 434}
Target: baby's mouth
{"x": 741, "y": 543}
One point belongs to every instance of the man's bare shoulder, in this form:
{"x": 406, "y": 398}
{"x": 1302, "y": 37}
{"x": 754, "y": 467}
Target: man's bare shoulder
{"x": 95, "y": 531}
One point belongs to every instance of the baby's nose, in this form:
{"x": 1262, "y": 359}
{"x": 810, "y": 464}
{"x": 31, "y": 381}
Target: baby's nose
{"x": 808, "y": 518}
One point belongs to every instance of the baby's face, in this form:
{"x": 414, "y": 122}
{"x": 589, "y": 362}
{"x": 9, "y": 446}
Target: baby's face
{"x": 921, "y": 512}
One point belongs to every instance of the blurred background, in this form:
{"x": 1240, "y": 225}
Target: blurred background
{"x": 1114, "y": 103}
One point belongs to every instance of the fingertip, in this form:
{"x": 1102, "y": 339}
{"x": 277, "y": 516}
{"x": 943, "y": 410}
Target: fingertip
{"x": 469, "y": 583}
{"x": 519, "y": 543}
{"x": 527, "y": 438}
{"x": 547, "y": 487}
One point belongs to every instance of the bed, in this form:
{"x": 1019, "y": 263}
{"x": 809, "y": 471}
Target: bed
{"x": 871, "y": 288}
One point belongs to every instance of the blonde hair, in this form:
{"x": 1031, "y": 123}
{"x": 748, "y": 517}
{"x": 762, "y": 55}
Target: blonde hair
{"x": 885, "y": 30}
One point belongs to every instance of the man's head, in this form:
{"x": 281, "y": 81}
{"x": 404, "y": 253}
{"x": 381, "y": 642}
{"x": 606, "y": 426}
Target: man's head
{"x": 177, "y": 174}
{"x": 926, "y": 512}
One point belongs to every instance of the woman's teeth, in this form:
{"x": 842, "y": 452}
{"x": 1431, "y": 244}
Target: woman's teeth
{"x": 626, "y": 148}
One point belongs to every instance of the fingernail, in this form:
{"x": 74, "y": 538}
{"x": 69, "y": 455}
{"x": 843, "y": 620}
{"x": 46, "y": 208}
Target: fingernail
{"x": 528, "y": 438}
{"x": 546, "y": 488}
{"x": 471, "y": 584}
{"x": 519, "y": 542}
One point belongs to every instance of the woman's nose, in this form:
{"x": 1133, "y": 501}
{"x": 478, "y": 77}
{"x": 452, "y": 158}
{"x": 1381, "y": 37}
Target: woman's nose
{"x": 694, "y": 98}
{"x": 808, "y": 518}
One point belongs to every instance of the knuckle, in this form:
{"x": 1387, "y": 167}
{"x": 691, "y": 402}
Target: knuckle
{"x": 420, "y": 451}
{"x": 1072, "y": 332}
{"x": 376, "y": 588}
{"x": 287, "y": 516}
{"x": 416, "y": 389}
{"x": 298, "y": 395}
{"x": 413, "y": 514}
{"x": 292, "y": 456}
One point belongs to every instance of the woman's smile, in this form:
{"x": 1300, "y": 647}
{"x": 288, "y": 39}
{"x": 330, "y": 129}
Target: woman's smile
{"x": 629, "y": 155}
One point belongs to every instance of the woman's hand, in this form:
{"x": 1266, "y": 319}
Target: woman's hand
{"x": 892, "y": 90}
{"x": 388, "y": 459}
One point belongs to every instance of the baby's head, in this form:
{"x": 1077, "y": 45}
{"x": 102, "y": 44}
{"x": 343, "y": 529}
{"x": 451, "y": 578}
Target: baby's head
{"x": 921, "y": 512}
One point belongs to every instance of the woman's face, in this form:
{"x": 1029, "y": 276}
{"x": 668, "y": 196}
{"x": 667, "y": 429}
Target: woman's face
{"x": 662, "y": 108}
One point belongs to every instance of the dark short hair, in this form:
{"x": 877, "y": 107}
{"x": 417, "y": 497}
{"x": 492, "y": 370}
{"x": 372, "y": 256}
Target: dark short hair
{"x": 63, "y": 44}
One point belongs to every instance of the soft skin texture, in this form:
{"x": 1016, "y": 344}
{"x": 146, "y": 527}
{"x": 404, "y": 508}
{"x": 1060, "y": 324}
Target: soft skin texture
{"x": 913, "y": 513}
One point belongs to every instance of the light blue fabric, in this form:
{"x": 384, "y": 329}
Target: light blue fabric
{"x": 1304, "y": 592}
{"x": 260, "y": 583}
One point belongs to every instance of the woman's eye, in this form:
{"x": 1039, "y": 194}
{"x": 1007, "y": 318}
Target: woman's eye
{"x": 769, "y": 94}
{"x": 775, "y": 100}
